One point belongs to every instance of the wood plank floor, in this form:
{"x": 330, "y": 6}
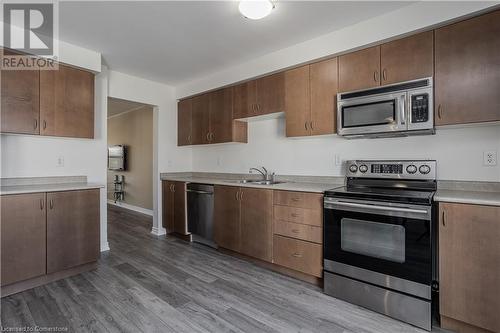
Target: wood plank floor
{"x": 162, "y": 284}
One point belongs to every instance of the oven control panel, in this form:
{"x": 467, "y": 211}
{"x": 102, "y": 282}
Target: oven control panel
{"x": 420, "y": 169}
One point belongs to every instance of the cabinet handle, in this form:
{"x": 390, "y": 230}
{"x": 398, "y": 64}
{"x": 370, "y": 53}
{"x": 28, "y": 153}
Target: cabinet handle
{"x": 375, "y": 76}
{"x": 208, "y": 137}
{"x": 212, "y": 136}
{"x": 241, "y": 195}
{"x": 305, "y": 125}
{"x": 295, "y": 231}
{"x": 51, "y": 204}
{"x": 311, "y": 125}
{"x": 189, "y": 138}
{"x": 237, "y": 195}
{"x": 44, "y": 124}
{"x": 254, "y": 108}
{"x": 384, "y": 74}
{"x": 295, "y": 215}
{"x": 41, "y": 204}
{"x": 173, "y": 187}
{"x": 297, "y": 255}
{"x": 36, "y": 123}
{"x": 295, "y": 199}
{"x": 443, "y": 218}
{"x": 440, "y": 112}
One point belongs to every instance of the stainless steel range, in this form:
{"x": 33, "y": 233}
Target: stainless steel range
{"x": 379, "y": 239}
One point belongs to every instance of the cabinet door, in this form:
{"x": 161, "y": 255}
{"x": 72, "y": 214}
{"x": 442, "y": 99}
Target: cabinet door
{"x": 227, "y": 217}
{"x": 297, "y": 102}
{"x": 407, "y": 58}
{"x": 184, "y": 114}
{"x": 73, "y": 229}
{"x": 168, "y": 205}
{"x": 469, "y": 264}
{"x": 67, "y": 102}
{"x": 23, "y": 237}
{"x": 360, "y": 69}
{"x": 256, "y": 223}
{"x": 270, "y": 94}
{"x": 201, "y": 119}
{"x": 221, "y": 115}
{"x": 467, "y": 78}
{"x": 20, "y": 111}
{"x": 240, "y": 101}
{"x": 180, "y": 225}
{"x": 324, "y": 88}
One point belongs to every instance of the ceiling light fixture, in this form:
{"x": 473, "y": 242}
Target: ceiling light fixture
{"x": 255, "y": 9}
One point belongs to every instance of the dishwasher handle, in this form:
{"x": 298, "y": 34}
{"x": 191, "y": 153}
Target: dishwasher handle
{"x": 199, "y": 192}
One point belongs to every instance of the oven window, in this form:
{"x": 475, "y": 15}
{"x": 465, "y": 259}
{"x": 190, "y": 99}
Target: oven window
{"x": 373, "y": 239}
{"x": 369, "y": 114}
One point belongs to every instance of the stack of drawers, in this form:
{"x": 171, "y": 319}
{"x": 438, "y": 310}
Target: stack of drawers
{"x": 298, "y": 231}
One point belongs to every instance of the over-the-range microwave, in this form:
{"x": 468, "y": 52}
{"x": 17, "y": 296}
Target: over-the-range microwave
{"x": 394, "y": 110}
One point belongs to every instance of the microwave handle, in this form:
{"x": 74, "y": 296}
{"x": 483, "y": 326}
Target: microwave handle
{"x": 402, "y": 109}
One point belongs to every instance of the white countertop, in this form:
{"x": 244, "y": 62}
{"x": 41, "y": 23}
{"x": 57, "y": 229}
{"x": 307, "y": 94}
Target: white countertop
{"x": 286, "y": 186}
{"x": 468, "y": 197}
{"x": 37, "y": 188}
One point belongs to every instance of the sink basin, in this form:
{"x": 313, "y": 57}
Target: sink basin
{"x": 258, "y": 182}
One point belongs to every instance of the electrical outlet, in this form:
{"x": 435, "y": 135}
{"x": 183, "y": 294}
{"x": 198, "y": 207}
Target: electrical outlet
{"x": 490, "y": 158}
{"x": 60, "y": 161}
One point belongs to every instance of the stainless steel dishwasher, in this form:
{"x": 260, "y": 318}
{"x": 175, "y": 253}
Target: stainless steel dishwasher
{"x": 200, "y": 213}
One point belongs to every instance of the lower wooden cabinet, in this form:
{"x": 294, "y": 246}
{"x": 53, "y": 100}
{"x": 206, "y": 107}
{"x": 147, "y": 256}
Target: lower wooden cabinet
{"x": 44, "y": 235}
{"x": 469, "y": 267}
{"x": 174, "y": 207}
{"x": 227, "y": 217}
{"x": 305, "y": 257}
{"x": 73, "y": 229}
{"x": 23, "y": 231}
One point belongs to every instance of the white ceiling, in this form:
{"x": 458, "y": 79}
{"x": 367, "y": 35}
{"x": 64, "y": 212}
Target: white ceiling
{"x": 176, "y": 41}
{"x": 117, "y": 106}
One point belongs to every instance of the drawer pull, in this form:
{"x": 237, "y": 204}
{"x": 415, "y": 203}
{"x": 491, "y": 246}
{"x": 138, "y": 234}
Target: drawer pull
{"x": 295, "y": 199}
{"x": 297, "y": 255}
{"x": 295, "y": 215}
{"x": 295, "y": 231}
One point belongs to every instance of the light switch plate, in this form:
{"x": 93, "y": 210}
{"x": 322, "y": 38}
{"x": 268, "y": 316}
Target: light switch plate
{"x": 490, "y": 158}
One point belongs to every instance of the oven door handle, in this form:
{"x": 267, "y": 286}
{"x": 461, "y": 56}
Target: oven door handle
{"x": 380, "y": 208}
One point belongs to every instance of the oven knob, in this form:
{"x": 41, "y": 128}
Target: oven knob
{"x": 363, "y": 168}
{"x": 424, "y": 169}
{"x": 353, "y": 168}
{"x": 411, "y": 169}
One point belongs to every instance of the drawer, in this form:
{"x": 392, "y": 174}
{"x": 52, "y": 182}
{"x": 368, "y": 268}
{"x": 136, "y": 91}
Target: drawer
{"x": 298, "y": 215}
{"x": 299, "y": 231}
{"x": 312, "y": 201}
{"x": 299, "y": 255}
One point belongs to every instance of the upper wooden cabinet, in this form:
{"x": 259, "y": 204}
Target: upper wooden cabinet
{"x": 211, "y": 119}
{"x": 20, "y": 106}
{"x": 467, "y": 78}
{"x": 401, "y": 60}
{"x": 23, "y": 242}
{"x": 67, "y": 102}
{"x": 310, "y": 99}
{"x": 360, "y": 69}
{"x": 174, "y": 207}
{"x": 184, "y": 122}
{"x": 259, "y": 97}
{"x": 407, "y": 58}
{"x": 469, "y": 267}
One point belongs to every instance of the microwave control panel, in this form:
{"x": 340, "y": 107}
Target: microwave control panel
{"x": 419, "y": 108}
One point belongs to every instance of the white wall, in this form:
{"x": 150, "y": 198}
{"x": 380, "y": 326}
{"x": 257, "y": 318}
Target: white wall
{"x": 36, "y": 156}
{"x": 459, "y": 152}
{"x": 167, "y": 156}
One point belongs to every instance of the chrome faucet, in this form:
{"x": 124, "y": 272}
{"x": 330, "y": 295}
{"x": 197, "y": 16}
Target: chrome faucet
{"x": 265, "y": 174}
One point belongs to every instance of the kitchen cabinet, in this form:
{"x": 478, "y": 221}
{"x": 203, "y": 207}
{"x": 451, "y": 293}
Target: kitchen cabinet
{"x": 260, "y": 97}
{"x": 67, "y": 102}
{"x": 467, "y": 75}
{"x": 407, "y": 58}
{"x": 23, "y": 237}
{"x": 73, "y": 228}
{"x": 310, "y": 99}
{"x": 200, "y": 119}
{"x": 301, "y": 256}
{"x": 20, "y": 105}
{"x": 469, "y": 267}
{"x": 256, "y": 223}
{"x": 359, "y": 69}
{"x": 174, "y": 207}
{"x": 227, "y": 217}
{"x": 184, "y": 122}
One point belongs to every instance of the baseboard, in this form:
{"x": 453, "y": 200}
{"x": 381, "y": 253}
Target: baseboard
{"x": 158, "y": 231}
{"x": 131, "y": 207}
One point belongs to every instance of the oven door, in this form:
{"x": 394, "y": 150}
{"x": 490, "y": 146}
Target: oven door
{"x": 381, "y": 243}
{"x": 373, "y": 114}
